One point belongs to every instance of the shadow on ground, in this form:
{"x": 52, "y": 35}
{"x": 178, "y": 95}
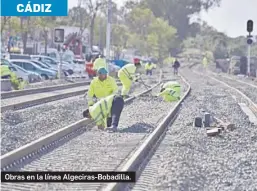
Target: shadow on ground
{"x": 137, "y": 128}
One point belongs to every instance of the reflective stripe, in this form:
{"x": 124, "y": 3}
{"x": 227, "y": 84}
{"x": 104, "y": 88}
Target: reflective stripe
{"x": 102, "y": 112}
{"x": 172, "y": 92}
{"x": 126, "y": 72}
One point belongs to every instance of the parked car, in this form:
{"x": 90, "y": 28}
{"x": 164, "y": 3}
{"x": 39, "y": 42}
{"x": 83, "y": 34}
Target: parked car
{"x": 25, "y": 75}
{"x": 44, "y": 65}
{"x": 19, "y": 56}
{"x": 30, "y": 66}
{"x": 54, "y": 63}
{"x": 22, "y": 74}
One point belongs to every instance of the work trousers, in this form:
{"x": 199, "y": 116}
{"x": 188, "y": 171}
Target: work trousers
{"x": 175, "y": 71}
{"x": 117, "y": 107}
{"x": 149, "y": 72}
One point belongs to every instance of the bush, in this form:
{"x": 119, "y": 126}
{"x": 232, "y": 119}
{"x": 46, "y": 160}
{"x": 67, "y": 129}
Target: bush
{"x": 16, "y": 84}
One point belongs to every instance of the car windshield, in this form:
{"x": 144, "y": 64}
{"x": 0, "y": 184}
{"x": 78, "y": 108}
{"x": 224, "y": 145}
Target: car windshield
{"x": 20, "y": 68}
{"x": 39, "y": 64}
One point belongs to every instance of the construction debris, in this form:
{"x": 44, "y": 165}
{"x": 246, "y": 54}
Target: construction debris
{"x": 198, "y": 122}
{"x": 214, "y": 131}
{"x": 207, "y": 120}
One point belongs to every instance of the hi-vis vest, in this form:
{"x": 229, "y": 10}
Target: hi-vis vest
{"x": 99, "y": 63}
{"x": 170, "y": 84}
{"x": 101, "y": 110}
{"x": 149, "y": 66}
{"x": 128, "y": 70}
{"x": 171, "y": 94}
{"x": 205, "y": 61}
{"x": 5, "y": 71}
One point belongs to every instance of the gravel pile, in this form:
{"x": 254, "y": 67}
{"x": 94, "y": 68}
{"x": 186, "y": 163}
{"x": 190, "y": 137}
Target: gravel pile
{"x": 97, "y": 150}
{"x": 189, "y": 160}
{"x": 23, "y": 126}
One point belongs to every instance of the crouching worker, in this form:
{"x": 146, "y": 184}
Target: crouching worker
{"x": 106, "y": 112}
{"x": 170, "y": 91}
{"x": 128, "y": 74}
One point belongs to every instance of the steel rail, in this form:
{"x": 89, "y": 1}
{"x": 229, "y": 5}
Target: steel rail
{"x": 149, "y": 144}
{"x": 17, "y": 156}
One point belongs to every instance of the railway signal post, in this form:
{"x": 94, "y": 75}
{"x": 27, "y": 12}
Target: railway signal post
{"x": 59, "y": 40}
{"x": 249, "y": 42}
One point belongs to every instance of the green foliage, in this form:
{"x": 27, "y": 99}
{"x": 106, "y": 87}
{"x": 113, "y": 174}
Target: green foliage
{"x": 161, "y": 38}
{"x": 178, "y": 13}
{"x": 14, "y": 81}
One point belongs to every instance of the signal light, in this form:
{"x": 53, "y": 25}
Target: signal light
{"x": 249, "y": 26}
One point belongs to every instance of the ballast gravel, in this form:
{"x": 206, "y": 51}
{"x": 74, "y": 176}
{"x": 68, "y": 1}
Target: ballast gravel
{"x": 47, "y": 83}
{"x": 23, "y": 126}
{"x": 95, "y": 150}
{"x": 189, "y": 160}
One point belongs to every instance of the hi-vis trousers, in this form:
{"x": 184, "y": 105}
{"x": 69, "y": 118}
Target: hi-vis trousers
{"x": 126, "y": 84}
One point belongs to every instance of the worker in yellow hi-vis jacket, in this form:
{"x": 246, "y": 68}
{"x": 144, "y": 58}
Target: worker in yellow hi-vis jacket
{"x": 101, "y": 86}
{"x": 149, "y": 68}
{"x": 127, "y": 74}
{"x": 170, "y": 91}
{"x": 205, "y": 62}
{"x": 106, "y": 112}
{"x": 99, "y": 63}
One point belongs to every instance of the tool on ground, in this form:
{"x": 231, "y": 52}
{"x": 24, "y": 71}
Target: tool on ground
{"x": 142, "y": 82}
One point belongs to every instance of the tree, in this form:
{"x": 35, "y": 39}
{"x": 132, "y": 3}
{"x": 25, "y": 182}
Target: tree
{"x": 4, "y": 21}
{"x": 178, "y": 13}
{"x": 161, "y": 39}
{"x": 24, "y": 30}
{"x": 92, "y": 7}
{"x": 45, "y": 24}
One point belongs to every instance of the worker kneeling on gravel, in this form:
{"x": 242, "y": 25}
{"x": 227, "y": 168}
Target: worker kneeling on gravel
{"x": 127, "y": 74}
{"x": 170, "y": 91}
{"x": 106, "y": 112}
{"x": 101, "y": 86}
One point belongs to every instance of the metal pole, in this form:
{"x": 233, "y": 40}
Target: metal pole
{"x": 108, "y": 32}
{"x": 249, "y": 60}
{"x": 60, "y": 65}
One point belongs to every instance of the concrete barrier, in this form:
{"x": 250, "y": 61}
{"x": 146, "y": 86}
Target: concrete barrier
{"x": 6, "y": 85}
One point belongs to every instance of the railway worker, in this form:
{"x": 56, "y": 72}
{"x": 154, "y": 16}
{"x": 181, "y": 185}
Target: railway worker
{"x": 99, "y": 63}
{"x": 149, "y": 68}
{"x": 127, "y": 74}
{"x": 6, "y": 73}
{"x": 170, "y": 91}
{"x": 176, "y": 65}
{"x": 205, "y": 62}
{"x": 106, "y": 112}
{"x": 101, "y": 86}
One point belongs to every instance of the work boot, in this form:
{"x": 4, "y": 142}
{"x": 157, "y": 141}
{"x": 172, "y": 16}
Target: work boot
{"x": 114, "y": 129}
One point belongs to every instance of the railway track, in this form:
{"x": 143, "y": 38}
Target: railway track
{"x": 184, "y": 158}
{"x": 24, "y": 101}
{"x": 246, "y": 94}
{"x": 21, "y": 99}
{"x": 17, "y": 93}
{"x": 85, "y": 145}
